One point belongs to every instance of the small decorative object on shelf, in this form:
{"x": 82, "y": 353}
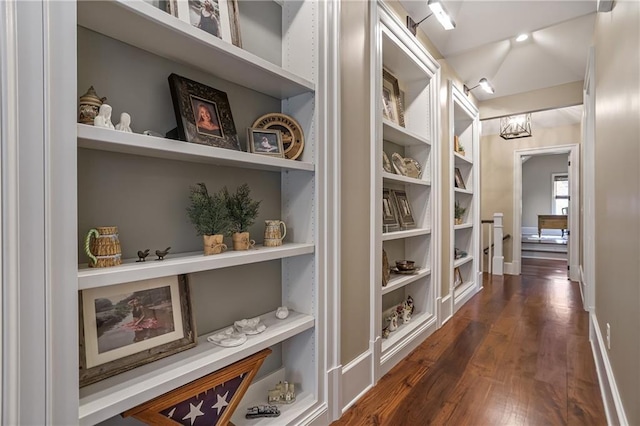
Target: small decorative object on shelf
{"x": 283, "y": 393}
{"x": 152, "y": 133}
{"x": 290, "y": 129}
{"x": 457, "y": 147}
{"x": 203, "y": 114}
{"x": 228, "y": 337}
{"x": 406, "y": 313}
{"x": 282, "y": 312}
{"x": 103, "y": 119}
{"x": 262, "y": 411}
{"x": 386, "y": 164}
{"x": 242, "y": 212}
{"x": 385, "y": 332}
{"x": 386, "y": 272}
{"x": 102, "y": 245}
{"x": 457, "y": 277}
{"x": 274, "y": 233}
{"x": 127, "y": 325}
{"x": 89, "y": 106}
{"x": 210, "y": 216}
{"x": 405, "y": 216}
{"x": 458, "y": 213}
{"x": 162, "y": 253}
{"x": 125, "y": 123}
{"x": 405, "y": 265}
{"x": 209, "y": 400}
{"x": 459, "y": 254}
{"x": 249, "y": 326}
{"x": 410, "y": 303}
{"x": 389, "y": 212}
{"x": 398, "y": 164}
{"x": 406, "y": 166}
{"x": 393, "y": 321}
{"x": 265, "y": 142}
{"x": 142, "y": 255}
{"x": 458, "y": 181}
{"x": 391, "y": 105}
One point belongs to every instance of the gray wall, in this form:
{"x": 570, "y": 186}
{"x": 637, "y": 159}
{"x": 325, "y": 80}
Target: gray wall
{"x": 617, "y": 194}
{"x": 537, "y": 185}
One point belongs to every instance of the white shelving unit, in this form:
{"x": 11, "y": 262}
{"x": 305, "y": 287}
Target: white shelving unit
{"x": 397, "y": 51}
{"x": 127, "y": 49}
{"x": 464, "y": 124}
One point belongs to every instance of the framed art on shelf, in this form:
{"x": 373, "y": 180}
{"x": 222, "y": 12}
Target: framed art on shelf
{"x": 127, "y": 325}
{"x": 459, "y": 182}
{"x": 389, "y": 212}
{"x": 216, "y": 17}
{"x": 405, "y": 215}
{"x": 457, "y": 277}
{"x": 265, "y": 142}
{"x": 391, "y": 103}
{"x": 203, "y": 114}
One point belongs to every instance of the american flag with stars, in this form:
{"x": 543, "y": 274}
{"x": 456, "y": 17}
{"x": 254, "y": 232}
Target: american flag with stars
{"x": 205, "y": 409}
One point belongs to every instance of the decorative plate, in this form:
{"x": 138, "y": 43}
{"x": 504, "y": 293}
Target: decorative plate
{"x": 292, "y": 137}
{"x": 411, "y": 272}
{"x": 398, "y": 164}
{"x": 413, "y": 168}
{"x": 386, "y": 164}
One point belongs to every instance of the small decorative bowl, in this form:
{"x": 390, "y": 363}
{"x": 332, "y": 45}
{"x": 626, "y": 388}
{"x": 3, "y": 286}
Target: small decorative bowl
{"x": 405, "y": 265}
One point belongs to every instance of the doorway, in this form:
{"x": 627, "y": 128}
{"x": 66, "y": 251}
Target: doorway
{"x": 539, "y": 221}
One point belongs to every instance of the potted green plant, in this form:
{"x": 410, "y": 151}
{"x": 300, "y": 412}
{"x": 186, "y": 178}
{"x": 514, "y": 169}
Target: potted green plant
{"x": 458, "y": 212}
{"x": 242, "y": 214}
{"x": 460, "y": 149}
{"x": 209, "y": 215}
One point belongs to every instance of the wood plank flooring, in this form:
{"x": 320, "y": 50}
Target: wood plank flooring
{"x": 516, "y": 354}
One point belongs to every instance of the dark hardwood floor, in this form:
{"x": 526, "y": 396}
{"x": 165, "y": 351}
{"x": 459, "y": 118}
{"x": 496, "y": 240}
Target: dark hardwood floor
{"x": 516, "y": 354}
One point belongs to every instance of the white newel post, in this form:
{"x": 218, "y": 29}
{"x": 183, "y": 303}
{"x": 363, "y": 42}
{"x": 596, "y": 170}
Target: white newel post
{"x": 498, "y": 258}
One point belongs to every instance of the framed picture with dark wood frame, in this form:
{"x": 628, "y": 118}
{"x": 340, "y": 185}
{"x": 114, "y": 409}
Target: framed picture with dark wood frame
{"x": 203, "y": 114}
{"x": 265, "y": 142}
{"x": 457, "y": 277}
{"x": 459, "y": 182}
{"x": 216, "y": 17}
{"x": 392, "y": 108}
{"x": 127, "y": 325}
{"x": 389, "y": 212}
{"x": 405, "y": 215}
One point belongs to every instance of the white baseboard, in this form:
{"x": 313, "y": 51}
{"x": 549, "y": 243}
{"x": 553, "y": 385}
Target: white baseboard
{"x": 610, "y": 396}
{"x": 356, "y": 379}
{"x": 446, "y": 310}
{"x": 509, "y": 269}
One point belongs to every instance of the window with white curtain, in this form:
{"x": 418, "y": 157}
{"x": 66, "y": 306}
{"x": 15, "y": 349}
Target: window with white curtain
{"x": 560, "y": 201}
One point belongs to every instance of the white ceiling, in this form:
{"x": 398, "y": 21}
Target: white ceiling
{"x": 483, "y": 42}
{"x": 543, "y": 119}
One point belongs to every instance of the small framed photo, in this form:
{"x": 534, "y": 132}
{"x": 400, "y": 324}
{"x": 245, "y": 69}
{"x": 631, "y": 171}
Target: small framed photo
{"x": 128, "y": 325}
{"x": 457, "y": 277}
{"x": 203, "y": 114}
{"x": 169, "y": 6}
{"x": 265, "y": 142}
{"x": 216, "y": 17}
{"x": 459, "y": 182}
{"x": 391, "y": 104}
{"x": 405, "y": 215}
{"x": 389, "y": 212}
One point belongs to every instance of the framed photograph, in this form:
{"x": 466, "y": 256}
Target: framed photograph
{"x": 216, "y": 17}
{"x": 405, "y": 215}
{"x": 127, "y": 325}
{"x": 391, "y": 105}
{"x": 389, "y": 212}
{"x": 203, "y": 114}
{"x": 169, "y": 6}
{"x": 457, "y": 277}
{"x": 265, "y": 142}
{"x": 459, "y": 182}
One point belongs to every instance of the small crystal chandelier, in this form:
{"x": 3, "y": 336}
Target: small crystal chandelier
{"x": 515, "y": 126}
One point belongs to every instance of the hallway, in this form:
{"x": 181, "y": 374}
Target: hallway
{"x": 516, "y": 354}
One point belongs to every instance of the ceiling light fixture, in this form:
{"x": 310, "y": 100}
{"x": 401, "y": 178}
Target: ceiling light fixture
{"x": 484, "y": 83}
{"x": 522, "y": 37}
{"x": 438, "y": 9}
{"x": 515, "y": 126}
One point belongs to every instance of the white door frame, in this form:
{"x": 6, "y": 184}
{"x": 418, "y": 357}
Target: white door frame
{"x": 588, "y": 176}
{"x": 574, "y": 202}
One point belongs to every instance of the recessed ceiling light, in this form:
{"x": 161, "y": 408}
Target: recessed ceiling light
{"x": 522, "y": 37}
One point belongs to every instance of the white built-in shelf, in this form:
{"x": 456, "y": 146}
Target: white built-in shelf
{"x": 463, "y": 226}
{"x": 461, "y": 159}
{"x": 288, "y": 412}
{"x": 463, "y": 191}
{"x": 463, "y": 288}
{"x": 393, "y": 178}
{"x": 404, "y": 330}
{"x": 116, "y": 394}
{"x": 183, "y": 263}
{"x": 400, "y": 136}
{"x": 397, "y": 235}
{"x": 459, "y": 262}
{"x": 142, "y": 25}
{"x": 398, "y": 280}
{"x": 102, "y": 139}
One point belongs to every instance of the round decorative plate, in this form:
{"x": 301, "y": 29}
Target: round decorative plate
{"x": 413, "y": 168}
{"x": 292, "y": 137}
{"x": 386, "y": 164}
{"x": 398, "y": 164}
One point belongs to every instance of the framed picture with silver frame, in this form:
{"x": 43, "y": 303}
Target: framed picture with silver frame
{"x": 405, "y": 214}
{"x": 389, "y": 212}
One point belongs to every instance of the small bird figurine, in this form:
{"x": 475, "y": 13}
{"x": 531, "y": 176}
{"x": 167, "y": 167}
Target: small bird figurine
{"x": 162, "y": 254}
{"x": 142, "y": 255}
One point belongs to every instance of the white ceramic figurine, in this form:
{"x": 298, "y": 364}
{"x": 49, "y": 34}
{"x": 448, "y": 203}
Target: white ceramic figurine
{"x": 125, "y": 123}
{"x": 103, "y": 119}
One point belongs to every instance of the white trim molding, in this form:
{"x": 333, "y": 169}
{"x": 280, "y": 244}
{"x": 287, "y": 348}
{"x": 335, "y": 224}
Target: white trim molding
{"x": 610, "y": 396}
{"x": 357, "y": 379}
{"x": 510, "y": 269}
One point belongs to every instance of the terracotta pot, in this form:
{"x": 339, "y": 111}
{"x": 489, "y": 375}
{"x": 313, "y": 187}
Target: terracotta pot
{"x": 241, "y": 241}
{"x": 213, "y": 244}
